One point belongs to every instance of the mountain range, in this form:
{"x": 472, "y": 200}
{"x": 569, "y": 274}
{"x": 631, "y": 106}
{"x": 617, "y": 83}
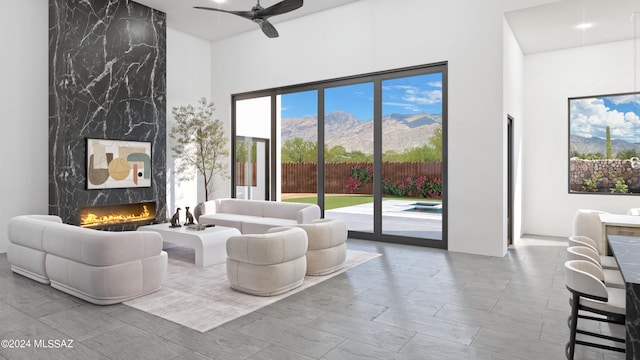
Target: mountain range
{"x": 400, "y": 131}
{"x": 594, "y": 145}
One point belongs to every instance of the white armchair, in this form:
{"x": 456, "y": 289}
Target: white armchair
{"x": 327, "y": 245}
{"x": 267, "y": 264}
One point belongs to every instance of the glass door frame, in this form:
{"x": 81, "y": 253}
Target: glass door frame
{"x": 377, "y": 78}
{"x": 267, "y": 190}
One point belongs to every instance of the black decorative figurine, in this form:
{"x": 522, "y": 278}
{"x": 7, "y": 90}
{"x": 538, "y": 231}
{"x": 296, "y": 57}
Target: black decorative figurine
{"x": 175, "y": 219}
{"x": 188, "y": 216}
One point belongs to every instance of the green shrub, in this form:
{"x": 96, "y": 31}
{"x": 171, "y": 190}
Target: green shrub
{"x": 591, "y": 185}
{"x": 620, "y": 187}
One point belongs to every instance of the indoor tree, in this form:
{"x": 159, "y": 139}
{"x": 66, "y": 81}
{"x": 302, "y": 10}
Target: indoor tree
{"x": 200, "y": 143}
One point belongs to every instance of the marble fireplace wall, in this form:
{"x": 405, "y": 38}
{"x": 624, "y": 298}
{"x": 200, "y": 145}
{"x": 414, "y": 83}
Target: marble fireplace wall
{"x": 107, "y": 80}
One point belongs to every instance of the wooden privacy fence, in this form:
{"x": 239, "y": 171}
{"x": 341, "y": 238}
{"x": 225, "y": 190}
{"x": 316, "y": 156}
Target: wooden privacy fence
{"x": 303, "y": 177}
{"x": 241, "y": 174}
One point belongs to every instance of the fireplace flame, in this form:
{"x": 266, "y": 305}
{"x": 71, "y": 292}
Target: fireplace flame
{"x": 91, "y": 219}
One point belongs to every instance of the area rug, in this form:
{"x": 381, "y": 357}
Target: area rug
{"x": 200, "y": 297}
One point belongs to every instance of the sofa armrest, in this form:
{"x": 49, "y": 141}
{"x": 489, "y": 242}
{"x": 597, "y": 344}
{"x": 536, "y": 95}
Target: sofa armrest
{"x": 308, "y": 214}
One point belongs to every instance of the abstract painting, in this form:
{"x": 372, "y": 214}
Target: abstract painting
{"x": 118, "y": 164}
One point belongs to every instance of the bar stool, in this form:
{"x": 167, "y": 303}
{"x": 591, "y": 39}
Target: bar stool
{"x": 591, "y": 295}
{"x": 586, "y": 222}
{"x": 607, "y": 262}
{"x": 610, "y": 277}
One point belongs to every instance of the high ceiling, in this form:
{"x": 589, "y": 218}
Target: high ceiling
{"x": 540, "y": 28}
{"x": 212, "y": 25}
{"x": 554, "y": 26}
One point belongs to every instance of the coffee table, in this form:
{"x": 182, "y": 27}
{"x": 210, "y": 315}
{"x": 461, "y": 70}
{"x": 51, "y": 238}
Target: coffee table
{"x": 210, "y": 244}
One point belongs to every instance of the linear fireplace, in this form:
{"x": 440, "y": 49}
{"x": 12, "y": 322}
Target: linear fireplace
{"x": 122, "y": 214}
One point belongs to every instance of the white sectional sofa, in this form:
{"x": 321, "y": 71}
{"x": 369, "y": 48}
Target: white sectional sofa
{"x": 102, "y": 267}
{"x": 256, "y": 216}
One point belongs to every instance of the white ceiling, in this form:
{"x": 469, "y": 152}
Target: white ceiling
{"x": 213, "y": 25}
{"x": 553, "y": 26}
{"x": 540, "y": 28}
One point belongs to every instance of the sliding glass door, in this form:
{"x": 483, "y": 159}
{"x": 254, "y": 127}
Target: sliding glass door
{"x": 370, "y": 150}
{"x": 297, "y": 126}
{"x": 348, "y": 155}
{"x": 412, "y": 156}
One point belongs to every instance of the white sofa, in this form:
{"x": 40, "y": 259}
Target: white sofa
{"x": 267, "y": 264}
{"x": 101, "y": 267}
{"x": 256, "y": 216}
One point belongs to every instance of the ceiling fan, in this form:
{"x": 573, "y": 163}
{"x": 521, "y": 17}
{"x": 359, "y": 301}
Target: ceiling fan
{"x": 259, "y": 15}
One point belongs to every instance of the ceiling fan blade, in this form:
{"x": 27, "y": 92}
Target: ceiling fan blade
{"x": 267, "y": 28}
{"x": 279, "y": 8}
{"x": 245, "y": 14}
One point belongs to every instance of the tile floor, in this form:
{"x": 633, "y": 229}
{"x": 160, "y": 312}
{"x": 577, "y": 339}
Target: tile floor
{"x": 411, "y": 303}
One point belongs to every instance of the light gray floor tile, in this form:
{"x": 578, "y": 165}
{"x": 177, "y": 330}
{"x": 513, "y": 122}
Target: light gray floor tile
{"x": 275, "y": 352}
{"x": 430, "y": 325}
{"x": 352, "y": 350}
{"x": 219, "y": 343}
{"x": 304, "y": 340}
{"x": 489, "y": 320}
{"x": 81, "y": 322}
{"x": 423, "y": 347}
{"x": 192, "y": 355}
{"x": 144, "y": 321}
{"x": 384, "y": 336}
{"x": 17, "y": 323}
{"x": 128, "y": 342}
{"x": 515, "y": 345}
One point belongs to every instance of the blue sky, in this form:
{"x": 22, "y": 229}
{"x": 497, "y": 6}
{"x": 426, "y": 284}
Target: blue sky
{"x": 590, "y": 117}
{"x": 410, "y": 95}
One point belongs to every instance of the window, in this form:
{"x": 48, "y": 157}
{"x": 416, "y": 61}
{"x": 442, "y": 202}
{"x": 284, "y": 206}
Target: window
{"x": 603, "y": 144}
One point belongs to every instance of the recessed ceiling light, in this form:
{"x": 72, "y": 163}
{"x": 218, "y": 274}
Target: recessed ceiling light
{"x": 219, "y": 1}
{"x": 584, "y": 26}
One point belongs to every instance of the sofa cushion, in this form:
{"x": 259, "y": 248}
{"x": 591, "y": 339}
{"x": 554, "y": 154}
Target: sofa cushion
{"x": 284, "y": 210}
{"x": 100, "y": 248}
{"x": 262, "y": 225}
{"x": 27, "y": 230}
{"x": 228, "y": 220}
{"x": 240, "y": 207}
{"x": 277, "y": 246}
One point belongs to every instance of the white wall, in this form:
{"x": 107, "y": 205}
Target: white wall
{"x": 374, "y": 35}
{"x": 513, "y": 105}
{"x": 188, "y": 80}
{"x": 24, "y": 68}
{"x": 550, "y": 79}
